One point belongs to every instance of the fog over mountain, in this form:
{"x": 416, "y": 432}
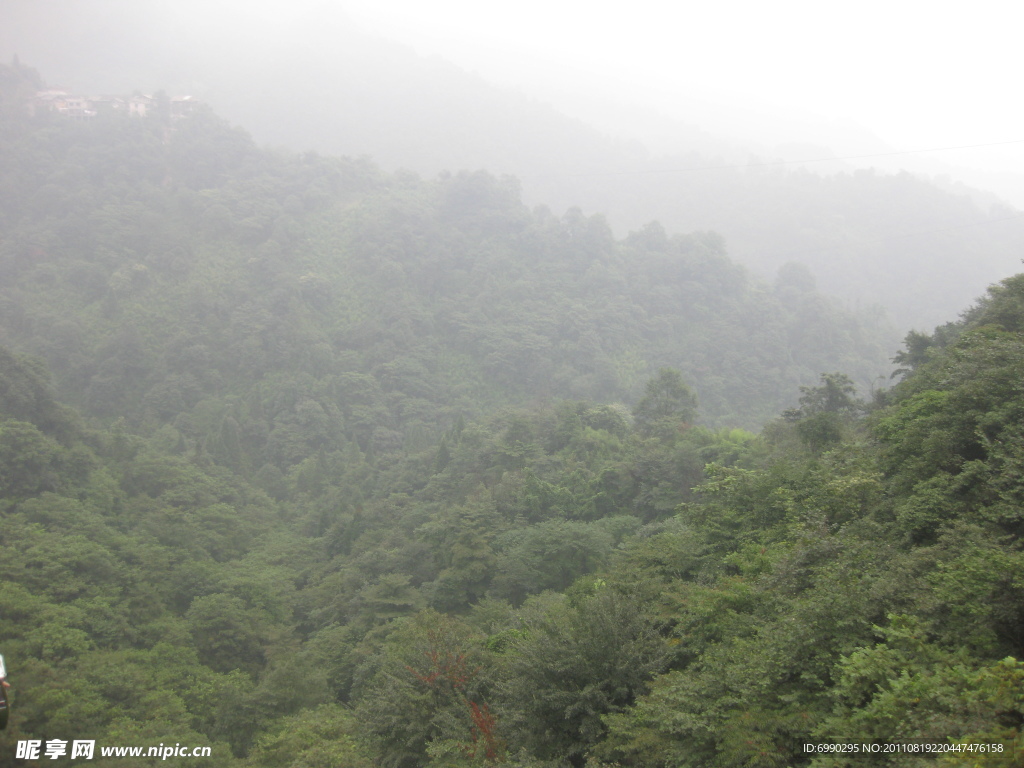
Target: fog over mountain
{"x": 781, "y": 183}
{"x": 387, "y": 403}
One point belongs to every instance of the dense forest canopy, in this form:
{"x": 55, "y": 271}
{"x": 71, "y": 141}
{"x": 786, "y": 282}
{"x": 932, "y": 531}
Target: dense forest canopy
{"x": 162, "y": 266}
{"x": 318, "y": 465}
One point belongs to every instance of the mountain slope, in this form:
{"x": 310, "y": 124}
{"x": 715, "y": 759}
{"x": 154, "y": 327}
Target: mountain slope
{"x": 159, "y": 263}
{"x": 306, "y": 78}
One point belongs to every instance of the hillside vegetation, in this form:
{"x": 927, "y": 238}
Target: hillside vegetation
{"x": 342, "y": 468}
{"x": 922, "y": 248}
{"x": 171, "y": 272}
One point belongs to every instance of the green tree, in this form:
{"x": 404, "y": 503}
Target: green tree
{"x": 325, "y": 737}
{"x": 834, "y": 395}
{"x": 667, "y": 406}
{"x": 825, "y": 410}
{"x": 906, "y": 688}
{"x": 226, "y": 634}
{"x": 427, "y": 686}
{"x": 573, "y": 665}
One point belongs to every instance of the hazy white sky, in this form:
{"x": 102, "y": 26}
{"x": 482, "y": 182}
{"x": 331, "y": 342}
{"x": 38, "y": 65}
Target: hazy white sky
{"x": 918, "y": 74}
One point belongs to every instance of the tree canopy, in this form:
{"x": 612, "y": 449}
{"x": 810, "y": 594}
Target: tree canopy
{"x": 320, "y": 466}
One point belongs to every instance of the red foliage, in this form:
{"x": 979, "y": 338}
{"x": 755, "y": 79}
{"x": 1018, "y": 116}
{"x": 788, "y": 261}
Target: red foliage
{"x": 484, "y": 727}
{"x": 452, "y": 668}
{"x": 449, "y": 667}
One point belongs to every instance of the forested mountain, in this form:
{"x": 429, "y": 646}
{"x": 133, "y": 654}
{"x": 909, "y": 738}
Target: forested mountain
{"x": 897, "y": 240}
{"x": 171, "y": 273}
{"x": 309, "y": 79}
{"x": 318, "y": 465}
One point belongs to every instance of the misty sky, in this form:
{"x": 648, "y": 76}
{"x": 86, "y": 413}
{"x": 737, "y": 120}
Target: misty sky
{"x": 919, "y": 75}
{"x": 856, "y": 78}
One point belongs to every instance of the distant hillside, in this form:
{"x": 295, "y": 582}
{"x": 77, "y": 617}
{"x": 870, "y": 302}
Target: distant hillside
{"x": 310, "y": 80}
{"x": 166, "y": 267}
